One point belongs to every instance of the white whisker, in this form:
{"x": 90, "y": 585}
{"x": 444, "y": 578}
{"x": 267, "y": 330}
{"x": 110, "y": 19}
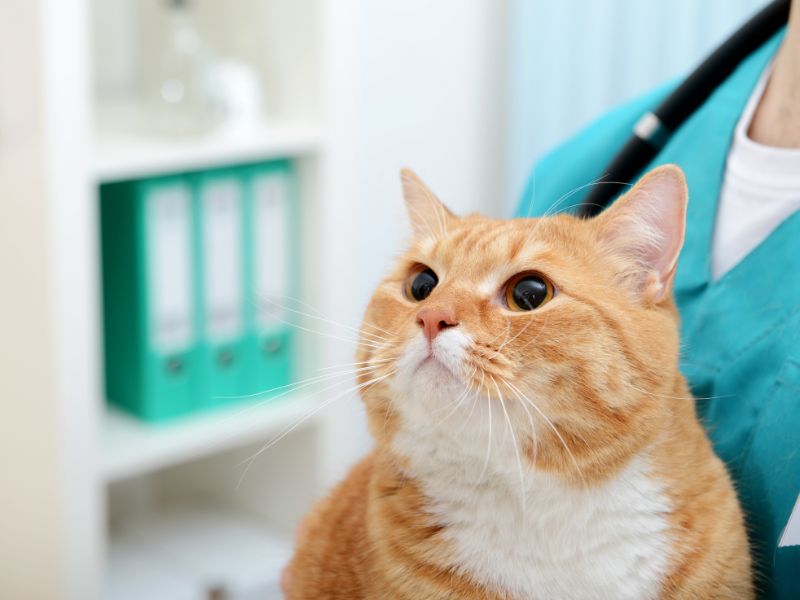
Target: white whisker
{"x": 547, "y": 420}
{"x": 287, "y": 430}
{"x": 320, "y": 316}
{"x": 516, "y": 448}
{"x": 531, "y": 422}
{"x": 475, "y": 397}
{"x": 294, "y": 386}
{"x": 371, "y": 361}
{"x": 355, "y": 341}
{"x": 489, "y": 445}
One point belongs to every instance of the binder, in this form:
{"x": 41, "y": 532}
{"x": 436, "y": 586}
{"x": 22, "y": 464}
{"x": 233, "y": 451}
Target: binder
{"x": 148, "y": 300}
{"x": 220, "y": 252}
{"x": 271, "y": 282}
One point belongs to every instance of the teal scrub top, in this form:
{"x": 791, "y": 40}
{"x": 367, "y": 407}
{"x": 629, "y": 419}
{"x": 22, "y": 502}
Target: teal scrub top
{"x": 741, "y": 333}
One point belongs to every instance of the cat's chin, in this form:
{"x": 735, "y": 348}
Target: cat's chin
{"x": 433, "y": 366}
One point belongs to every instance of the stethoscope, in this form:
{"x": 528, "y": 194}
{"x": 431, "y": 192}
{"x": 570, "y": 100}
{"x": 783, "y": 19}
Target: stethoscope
{"x": 652, "y": 132}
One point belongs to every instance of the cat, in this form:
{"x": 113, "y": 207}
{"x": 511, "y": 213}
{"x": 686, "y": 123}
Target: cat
{"x": 534, "y": 436}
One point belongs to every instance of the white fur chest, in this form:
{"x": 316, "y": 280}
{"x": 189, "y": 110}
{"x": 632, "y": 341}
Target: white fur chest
{"x": 606, "y": 542}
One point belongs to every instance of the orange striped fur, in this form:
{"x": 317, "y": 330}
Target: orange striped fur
{"x": 586, "y": 398}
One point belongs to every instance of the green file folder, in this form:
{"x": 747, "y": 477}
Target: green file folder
{"x": 148, "y": 300}
{"x": 220, "y": 253}
{"x": 271, "y": 281}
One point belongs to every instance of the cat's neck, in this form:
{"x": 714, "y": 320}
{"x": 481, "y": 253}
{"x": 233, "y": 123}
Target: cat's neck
{"x": 528, "y": 531}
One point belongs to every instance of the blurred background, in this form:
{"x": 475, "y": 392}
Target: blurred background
{"x": 198, "y": 198}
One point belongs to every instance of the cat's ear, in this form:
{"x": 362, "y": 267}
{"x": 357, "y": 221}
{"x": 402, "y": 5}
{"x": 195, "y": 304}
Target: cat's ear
{"x": 429, "y": 216}
{"x": 645, "y": 228}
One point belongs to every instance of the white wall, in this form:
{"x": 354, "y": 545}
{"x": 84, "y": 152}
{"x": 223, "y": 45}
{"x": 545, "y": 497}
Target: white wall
{"x": 50, "y": 518}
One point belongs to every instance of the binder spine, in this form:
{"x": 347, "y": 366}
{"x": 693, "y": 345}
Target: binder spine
{"x": 219, "y": 205}
{"x": 147, "y": 301}
{"x": 271, "y": 235}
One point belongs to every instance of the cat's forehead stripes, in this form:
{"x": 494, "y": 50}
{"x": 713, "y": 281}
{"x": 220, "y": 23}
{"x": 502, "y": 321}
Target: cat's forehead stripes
{"x": 484, "y": 251}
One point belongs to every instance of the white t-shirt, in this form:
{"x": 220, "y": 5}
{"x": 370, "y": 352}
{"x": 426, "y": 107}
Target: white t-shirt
{"x": 761, "y": 188}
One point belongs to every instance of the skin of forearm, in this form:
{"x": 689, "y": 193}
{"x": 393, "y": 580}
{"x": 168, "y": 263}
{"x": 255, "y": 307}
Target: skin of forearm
{"x": 776, "y": 121}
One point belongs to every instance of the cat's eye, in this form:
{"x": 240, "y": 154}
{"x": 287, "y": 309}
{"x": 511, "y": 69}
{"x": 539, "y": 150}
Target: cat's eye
{"x": 528, "y": 291}
{"x": 421, "y": 284}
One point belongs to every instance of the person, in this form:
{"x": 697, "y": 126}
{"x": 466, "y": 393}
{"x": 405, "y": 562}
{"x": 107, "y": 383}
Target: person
{"x": 738, "y": 280}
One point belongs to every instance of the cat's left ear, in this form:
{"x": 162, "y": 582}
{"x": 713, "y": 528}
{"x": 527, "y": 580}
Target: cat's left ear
{"x": 645, "y": 228}
{"x": 429, "y": 216}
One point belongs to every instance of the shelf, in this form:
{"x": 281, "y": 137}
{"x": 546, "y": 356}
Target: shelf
{"x": 119, "y": 156}
{"x": 131, "y": 447}
{"x": 195, "y": 553}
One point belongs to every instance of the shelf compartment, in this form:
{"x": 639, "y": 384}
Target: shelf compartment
{"x": 120, "y": 156}
{"x": 131, "y": 447}
{"x": 195, "y": 553}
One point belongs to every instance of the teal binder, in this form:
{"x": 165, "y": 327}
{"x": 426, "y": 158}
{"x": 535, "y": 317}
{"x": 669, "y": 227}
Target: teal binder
{"x": 220, "y": 286}
{"x": 148, "y": 300}
{"x": 271, "y": 282}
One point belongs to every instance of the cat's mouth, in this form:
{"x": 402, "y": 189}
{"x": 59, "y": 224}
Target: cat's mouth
{"x": 438, "y": 362}
{"x": 434, "y": 363}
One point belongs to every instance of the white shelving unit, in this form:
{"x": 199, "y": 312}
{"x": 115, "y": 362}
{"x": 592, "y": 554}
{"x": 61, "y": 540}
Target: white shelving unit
{"x": 156, "y": 510}
{"x": 180, "y": 503}
{"x": 358, "y": 89}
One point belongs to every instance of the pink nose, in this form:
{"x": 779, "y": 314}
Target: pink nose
{"x": 434, "y": 320}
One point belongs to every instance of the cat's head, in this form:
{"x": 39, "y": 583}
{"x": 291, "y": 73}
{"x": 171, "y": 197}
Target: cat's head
{"x": 558, "y": 331}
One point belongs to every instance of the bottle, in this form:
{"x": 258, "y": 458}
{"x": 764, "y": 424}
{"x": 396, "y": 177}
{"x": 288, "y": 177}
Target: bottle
{"x": 179, "y": 102}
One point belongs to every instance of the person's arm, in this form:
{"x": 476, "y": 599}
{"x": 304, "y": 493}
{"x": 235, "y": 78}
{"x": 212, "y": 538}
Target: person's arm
{"x": 777, "y": 119}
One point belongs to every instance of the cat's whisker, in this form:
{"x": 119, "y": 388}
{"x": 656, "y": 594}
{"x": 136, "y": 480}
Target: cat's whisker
{"x": 516, "y": 448}
{"x": 290, "y": 387}
{"x": 519, "y": 333}
{"x": 367, "y": 367}
{"x": 372, "y": 336}
{"x": 320, "y": 316}
{"x": 287, "y": 430}
{"x": 538, "y": 333}
{"x": 552, "y": 208}
{"x": 489, "y": 445}
{"x": 447, "y": 406}
{"x": 293, "y": 389}
{"x": 466, "y": 379}
{"x": 323, "y": 315}
{"x": 372, "y": 361}
{"x": 376, "y": 328}
{"x": 693, "y": 398}
{"x": 592, "y": 183}
{"x": 475, "y": 397}
{"x": 498, "y": 351}
{"x": 531, "y": 422}
{"x": 547, "y": 420}
{"x": 456, "y": 404}
{"x": 557, "y": 204}
{"x": 354, "y": 341}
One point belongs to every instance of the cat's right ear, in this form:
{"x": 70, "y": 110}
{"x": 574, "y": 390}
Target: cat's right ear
{"x": 429, "y": 216}
{"x": 646, "y": 228}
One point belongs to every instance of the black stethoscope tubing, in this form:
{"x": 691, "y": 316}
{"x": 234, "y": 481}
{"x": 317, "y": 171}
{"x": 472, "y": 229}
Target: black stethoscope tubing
{"x": 655, "y": 128}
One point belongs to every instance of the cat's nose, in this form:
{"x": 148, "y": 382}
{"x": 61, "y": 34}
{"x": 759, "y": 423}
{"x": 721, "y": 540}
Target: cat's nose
{"x": 434, "y": 320}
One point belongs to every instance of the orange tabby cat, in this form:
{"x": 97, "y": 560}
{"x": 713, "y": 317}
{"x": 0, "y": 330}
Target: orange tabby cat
{"x": 535, "y": 438}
